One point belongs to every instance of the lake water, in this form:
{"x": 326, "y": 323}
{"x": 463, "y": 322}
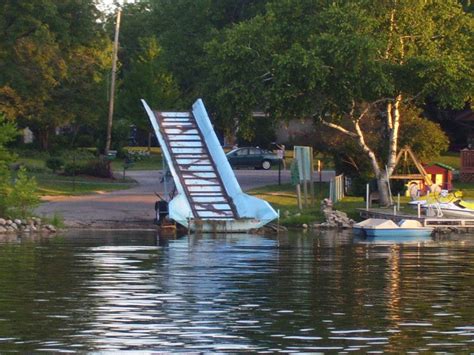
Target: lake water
{"x": 323, "y": 292}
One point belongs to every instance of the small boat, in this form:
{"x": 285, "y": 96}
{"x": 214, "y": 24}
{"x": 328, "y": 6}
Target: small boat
{"x": 375, "y": 227}
{"x": 447, "y": 204}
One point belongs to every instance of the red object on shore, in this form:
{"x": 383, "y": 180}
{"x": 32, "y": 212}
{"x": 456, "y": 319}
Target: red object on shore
{"x": 441, "y": 175}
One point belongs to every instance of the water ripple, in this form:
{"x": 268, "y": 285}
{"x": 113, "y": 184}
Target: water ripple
{"x": 235, "y": 293}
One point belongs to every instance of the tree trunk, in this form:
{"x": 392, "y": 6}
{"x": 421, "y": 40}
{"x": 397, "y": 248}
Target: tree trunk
{"x": 43, "y": 139}
{"x": 384, "y": 193}
{"x": 393, "y": 124}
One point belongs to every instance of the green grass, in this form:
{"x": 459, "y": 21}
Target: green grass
{"x": 53, "y": 185}
{"x": 452, "y": 159}
{"x": 152, "y": 162}
{"x": 283, "y": 198}
{"x": 33, "y": 164}
{"x": 57, "y": 220}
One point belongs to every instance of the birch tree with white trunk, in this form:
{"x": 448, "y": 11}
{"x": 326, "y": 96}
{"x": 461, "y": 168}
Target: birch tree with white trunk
{"x": 344, "y": 62}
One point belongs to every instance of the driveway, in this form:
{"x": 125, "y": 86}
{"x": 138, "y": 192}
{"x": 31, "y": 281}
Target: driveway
{"x": 134, "y": 208}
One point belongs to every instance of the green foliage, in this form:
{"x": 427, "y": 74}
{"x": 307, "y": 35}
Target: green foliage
{"x": 57, "y": 220}
{"x": 147, "y": 79}
{"x": 52, "y": 64}
{"x": 426, "y": 138}
{"x": 5, "y": 182}
{"x": 8, "y": 133}
{"x": 22, "y": 196}
{"x": 306, "y": 58}
{"x": 54, "y": 163}
{"x": 349, "y": 64}
{"x": 97, "y": 168}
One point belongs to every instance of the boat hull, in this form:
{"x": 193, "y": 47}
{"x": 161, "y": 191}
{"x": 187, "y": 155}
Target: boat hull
{"x": 398, "y": 232}
{"x": 456, "y": 213}
{"x": 385, "y": 228}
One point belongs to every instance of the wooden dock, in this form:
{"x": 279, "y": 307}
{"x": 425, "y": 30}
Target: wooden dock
{"x": 437, "y": 222}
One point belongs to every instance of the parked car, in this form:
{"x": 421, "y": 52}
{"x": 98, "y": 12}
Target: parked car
{"x": 253, "y": 157}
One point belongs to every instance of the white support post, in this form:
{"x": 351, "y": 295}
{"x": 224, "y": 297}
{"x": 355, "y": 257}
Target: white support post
{"x": 367, "y": 194}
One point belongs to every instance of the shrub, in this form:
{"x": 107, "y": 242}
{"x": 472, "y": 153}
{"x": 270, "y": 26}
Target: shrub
{"x": 56, "y": 220}
{"x": 78, "y": 154}
{"x": 97, "y": 168}
{"x": 76, "y": 168}
{"x": 4, "y": 188}
{"x": 22, "y": 197}
{"x": 54, "y": 163}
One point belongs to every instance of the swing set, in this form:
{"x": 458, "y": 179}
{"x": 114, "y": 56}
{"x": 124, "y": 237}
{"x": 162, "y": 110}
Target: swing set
{"x": 422, "y": 175}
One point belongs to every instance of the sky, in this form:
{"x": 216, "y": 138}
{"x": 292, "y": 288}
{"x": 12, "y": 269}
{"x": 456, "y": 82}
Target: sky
{"x": 110, "y": 5}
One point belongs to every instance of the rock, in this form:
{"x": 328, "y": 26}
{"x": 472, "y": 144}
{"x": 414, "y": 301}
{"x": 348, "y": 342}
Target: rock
{"x": 334, "y": 219}
{"x": 50, "y": 227}
{"x": 27, "y": 230}
{"x": 305, "y": 226}
{"x": 3, "y": 229}
{"x": 286, "y": 213}
{"x": 17, "y": 222}
{"x": 8, "y": 222}
{"x": 297, "y": 214}
{"x": 2, "y": 222}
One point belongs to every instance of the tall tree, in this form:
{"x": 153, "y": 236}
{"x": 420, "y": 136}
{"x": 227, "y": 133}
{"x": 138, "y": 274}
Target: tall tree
{"x": 184, "y": 26}
{"x": 344, "y": 62}
{"x": 147, "y": 78}
{"x": 51, "y": 60}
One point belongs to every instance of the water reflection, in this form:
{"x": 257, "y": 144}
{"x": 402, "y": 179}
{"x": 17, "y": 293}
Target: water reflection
{"x": 326, "y": 291}
{"x": 394, "y": 240}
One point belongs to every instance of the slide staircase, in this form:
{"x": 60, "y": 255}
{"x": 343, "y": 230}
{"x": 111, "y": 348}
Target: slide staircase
{"x": 209, "y": 197}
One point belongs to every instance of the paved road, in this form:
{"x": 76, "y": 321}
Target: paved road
{"x": 135, "y": 207}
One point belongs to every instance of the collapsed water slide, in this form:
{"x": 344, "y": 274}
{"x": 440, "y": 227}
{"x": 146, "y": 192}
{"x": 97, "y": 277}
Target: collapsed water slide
{"x": 209, "y": 197}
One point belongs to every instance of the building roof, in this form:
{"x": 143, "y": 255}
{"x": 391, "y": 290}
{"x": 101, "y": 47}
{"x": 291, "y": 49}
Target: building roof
{"x": 445, "y": 166}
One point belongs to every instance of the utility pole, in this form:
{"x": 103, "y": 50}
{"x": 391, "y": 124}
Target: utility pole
{"x": 112, "y": 84}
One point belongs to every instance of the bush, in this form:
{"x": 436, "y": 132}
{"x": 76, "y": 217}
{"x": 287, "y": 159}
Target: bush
{"x": 54, "y": 163}
{"x": 76, "y": 168}
{"x": 56, "y": 220}
{"x": 22, "y": 196}
{"x": 85, "y": 140}
{"x": 4, "y": 188}
{"x": 97, "y": 168}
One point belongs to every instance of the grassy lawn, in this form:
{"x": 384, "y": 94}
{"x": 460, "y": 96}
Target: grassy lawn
{"x": 452, "y": 159}
{"x": 152, "y": 162}
{"x": 53, "y": 185}
{"x": 283, "y": 198}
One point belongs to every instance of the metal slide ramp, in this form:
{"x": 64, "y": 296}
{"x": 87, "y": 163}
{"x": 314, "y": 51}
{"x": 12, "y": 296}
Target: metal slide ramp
{"x": 196, "y": 169}
{"x": 209, "y": 197}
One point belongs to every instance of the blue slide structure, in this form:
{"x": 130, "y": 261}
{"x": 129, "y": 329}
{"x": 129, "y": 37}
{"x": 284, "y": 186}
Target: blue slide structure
{"x": 209, "y": 197}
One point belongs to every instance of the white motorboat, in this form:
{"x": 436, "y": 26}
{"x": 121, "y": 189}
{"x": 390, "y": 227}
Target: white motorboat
{"x": 446, "y": 204}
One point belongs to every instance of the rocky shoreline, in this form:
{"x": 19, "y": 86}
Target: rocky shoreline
{"x": 28, "y": 225}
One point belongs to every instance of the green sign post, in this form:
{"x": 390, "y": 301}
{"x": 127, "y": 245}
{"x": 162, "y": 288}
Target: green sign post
{"x": 295, "y": 180}
{"x": 304, "y": 158}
